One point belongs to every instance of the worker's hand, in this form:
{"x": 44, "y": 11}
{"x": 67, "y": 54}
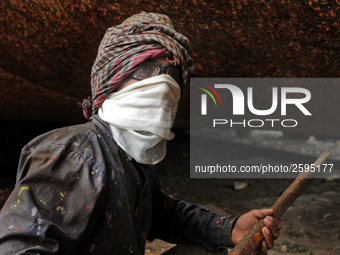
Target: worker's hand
{"x": 270, "y": 232}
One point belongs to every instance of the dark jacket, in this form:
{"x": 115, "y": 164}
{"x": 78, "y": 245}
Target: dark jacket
{"x": 77, "y": 192}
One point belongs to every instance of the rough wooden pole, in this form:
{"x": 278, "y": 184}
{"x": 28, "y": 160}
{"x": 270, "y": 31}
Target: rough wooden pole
{"x": 251, "y": 241}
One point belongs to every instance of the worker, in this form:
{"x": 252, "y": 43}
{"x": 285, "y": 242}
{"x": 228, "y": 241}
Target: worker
{"x": 93, "y": 188}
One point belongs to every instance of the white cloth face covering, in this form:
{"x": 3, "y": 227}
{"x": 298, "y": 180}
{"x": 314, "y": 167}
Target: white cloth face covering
{"x": 141, "y": 116}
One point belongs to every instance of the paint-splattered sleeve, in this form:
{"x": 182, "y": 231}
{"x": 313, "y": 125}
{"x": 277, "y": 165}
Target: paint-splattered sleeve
{"x": 177, "y": 221}
{"x": 55, "y": 201}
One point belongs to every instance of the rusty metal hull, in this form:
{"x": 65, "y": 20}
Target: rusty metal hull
{"x": 47, "y": 47}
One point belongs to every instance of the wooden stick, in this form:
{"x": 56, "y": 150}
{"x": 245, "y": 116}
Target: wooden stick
{"x": 252, "y": 241}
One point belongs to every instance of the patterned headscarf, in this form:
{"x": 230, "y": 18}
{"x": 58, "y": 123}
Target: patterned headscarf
{"x": 142, "y": 36}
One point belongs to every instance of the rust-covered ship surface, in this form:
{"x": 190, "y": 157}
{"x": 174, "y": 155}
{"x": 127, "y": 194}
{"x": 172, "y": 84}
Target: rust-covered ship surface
{"x": 47, "y": 48}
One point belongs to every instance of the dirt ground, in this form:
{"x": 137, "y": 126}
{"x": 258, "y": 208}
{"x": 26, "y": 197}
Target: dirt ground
{"x": 310, "y": 226}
